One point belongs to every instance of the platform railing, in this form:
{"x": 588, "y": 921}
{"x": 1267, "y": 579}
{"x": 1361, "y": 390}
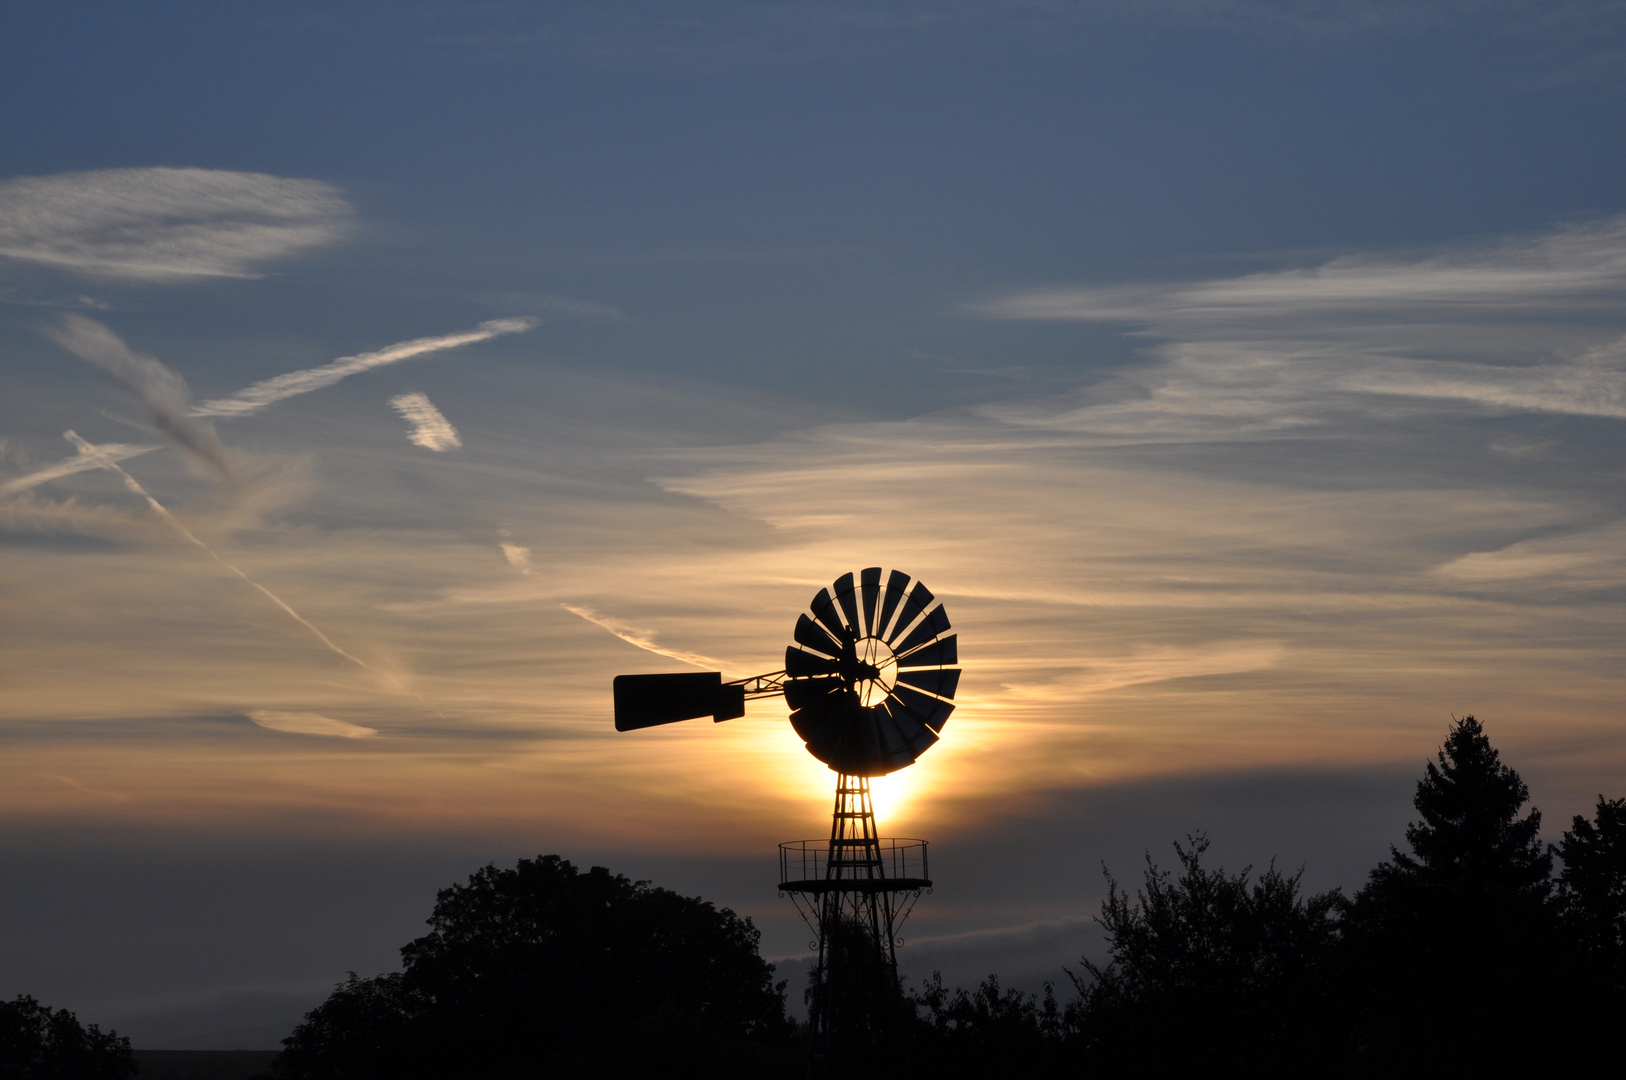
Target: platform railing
{"x": 889, "y": 858}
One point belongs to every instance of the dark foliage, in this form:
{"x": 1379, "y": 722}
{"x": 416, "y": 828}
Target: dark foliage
{"x": 1461, "y": 956}
{"x": 1592, "y": 888}
{"x": 39, "y": 1043}
{"x": 988, "y": 1034}
{"x": 1451, "y": 946}
{"x": 1592, "y": 903}
{"x": 1208, "y": 972}
{"x": 203, "y": 1064}
{"x": 544, "y": 970}
{"x": 1458, "y": 958}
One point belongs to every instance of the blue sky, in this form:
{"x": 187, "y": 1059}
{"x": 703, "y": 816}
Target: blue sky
{"x": 1248, "y": 378}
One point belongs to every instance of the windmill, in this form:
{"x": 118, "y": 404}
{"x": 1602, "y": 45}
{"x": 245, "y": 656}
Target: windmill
{"x": 869, "y": 681}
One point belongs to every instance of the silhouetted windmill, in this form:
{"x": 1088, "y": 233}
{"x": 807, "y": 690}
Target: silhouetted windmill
{"x": 869, "y": 682}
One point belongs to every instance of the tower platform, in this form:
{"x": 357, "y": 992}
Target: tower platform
{"x": 880, "y": 864}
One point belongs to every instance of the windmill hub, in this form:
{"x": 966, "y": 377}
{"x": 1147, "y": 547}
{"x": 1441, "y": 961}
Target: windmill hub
{"x": 869, "y": 669}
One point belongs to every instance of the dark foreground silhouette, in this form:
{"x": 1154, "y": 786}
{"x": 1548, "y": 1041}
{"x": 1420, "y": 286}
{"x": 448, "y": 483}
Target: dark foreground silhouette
{"x": 543, "y": 970}
{"x": 41, "y": 1043}
{"x": 1462, "y": 955}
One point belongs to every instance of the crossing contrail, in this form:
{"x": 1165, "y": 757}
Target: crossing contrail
{"x": 165, "y": 393}
{"x": 106, "y": 461}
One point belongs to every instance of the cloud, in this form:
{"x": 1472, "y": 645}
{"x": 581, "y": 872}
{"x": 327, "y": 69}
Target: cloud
{"x": 88, "y": 790}
{"x": 1575, "y": 267}
{"x": 309, "y": 723}
{"x": 165, "y": 224}
{"x": 1589, "y": 560}
{"x": 1228, "y": 553}
{"x": 161, "y": 390}
{"x": 1525, "y": 325}
{"x": 518, "y": 557}
{"x": 294, "y": 383}
{"x": 430, "y": 429}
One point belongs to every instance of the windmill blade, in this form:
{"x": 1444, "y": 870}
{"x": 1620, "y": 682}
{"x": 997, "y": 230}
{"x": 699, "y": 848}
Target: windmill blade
{"x": 810, "y": 721}
{"x": 923, "y": 742}
{"x": 897, "y": 587}
{"x": 799, "y": 664}
{"x": 916, "y": 737}
{"x": 870, "y": 589}
{"x": 940, "y": 681}
{"x": 847, "y": 597}
{"x": 933, "y": 712}
{"x": 835, "y": 733}
{"x": 812, "y": 635}
{"x": 893, "y": 736}
{"x": 935, "y": 623}
{"x": 939, "y": 653}
{"x": 643, "y": 701}
{"x": 806, "y": 693}
{"x": 920, "y": 598}
{"x": 824, "y": 610}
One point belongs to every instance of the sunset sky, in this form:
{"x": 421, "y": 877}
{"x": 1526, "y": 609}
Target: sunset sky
{"x": 378, "y": 381}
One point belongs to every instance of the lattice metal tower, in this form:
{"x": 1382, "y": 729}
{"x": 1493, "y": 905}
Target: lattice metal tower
{"x": 855, "y": 906}
{"x": 870, "y": 685}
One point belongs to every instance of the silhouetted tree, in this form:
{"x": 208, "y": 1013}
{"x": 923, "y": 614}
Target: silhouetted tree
{"x": 544, "y": 969}
{"x": 1209, "y": 973}
{"x": 1593, "y": 886}
{"x": 987, "y": 1033}
{"x": 1451, "y": 945}
{"x": 1592, "y": 903}
{"x": 39, "y": 1043}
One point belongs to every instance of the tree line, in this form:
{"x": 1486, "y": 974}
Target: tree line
{"x": 1463, "y": 955}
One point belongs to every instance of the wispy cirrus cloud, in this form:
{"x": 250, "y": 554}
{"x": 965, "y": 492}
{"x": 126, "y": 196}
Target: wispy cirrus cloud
{"x": 1576, "y": 267}
{"x": 157, "y": 387}
{"x": 430, "y": 429}
{"x": 165, "y": 225}
{"x": 309, "y": 723}
{"x": 1530, "y": 324}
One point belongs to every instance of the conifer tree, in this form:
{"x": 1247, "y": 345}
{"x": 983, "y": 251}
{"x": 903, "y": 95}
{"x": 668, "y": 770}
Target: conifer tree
{"x": 1471, "y": 844}
{"x": 1593, "y": 885}
{"x": 1451, "y": 944}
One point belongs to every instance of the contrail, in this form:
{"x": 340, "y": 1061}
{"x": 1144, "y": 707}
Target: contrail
{"x": 69, "y": 466}
{"x": 107, "y": 462}
{"x": 641, "y": 638}
{"x": 254, "y": 398}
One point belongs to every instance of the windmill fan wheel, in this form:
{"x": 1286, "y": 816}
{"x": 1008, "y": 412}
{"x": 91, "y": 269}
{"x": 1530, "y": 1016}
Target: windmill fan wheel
{"x": 869, "y": 679}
